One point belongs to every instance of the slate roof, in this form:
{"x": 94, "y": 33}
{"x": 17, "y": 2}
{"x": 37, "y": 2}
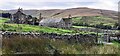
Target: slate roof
{"x": 19, "y": 13}
{"x": 52, "y": 20}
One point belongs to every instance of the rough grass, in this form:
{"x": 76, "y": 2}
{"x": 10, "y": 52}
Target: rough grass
{"x": 49, "y": 46}
{"x": 2, "y": 20}
{"x": 0, "y": 51}
{"x": 53, "y": 46}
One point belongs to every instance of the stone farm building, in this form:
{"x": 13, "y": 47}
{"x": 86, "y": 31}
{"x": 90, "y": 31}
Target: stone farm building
{"x": 56, "y": 22}
{"x": 20, "y": 18}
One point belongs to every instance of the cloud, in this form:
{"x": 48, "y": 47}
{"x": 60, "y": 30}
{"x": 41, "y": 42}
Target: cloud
{"x": 58, "y": 4}
{"x": 49, "y": 0}
{"x": 106, "y": 4}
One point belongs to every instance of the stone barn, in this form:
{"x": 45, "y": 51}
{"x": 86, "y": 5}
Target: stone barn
{"x": 20, "y": 18}
{"x": 56, "y": 22}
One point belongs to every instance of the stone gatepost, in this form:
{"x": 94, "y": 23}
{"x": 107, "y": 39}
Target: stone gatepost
{"x": 1, "y": 42}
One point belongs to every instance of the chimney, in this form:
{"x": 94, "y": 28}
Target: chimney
{"x": 40, "y": 16}
{"x": 69, "y": 16}
{"x": 20, "y": 10}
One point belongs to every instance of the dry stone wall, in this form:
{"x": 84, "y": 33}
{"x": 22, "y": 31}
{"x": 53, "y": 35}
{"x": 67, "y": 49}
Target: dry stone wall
{"x": 78, "y": 37}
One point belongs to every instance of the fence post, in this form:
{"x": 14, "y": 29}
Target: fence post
{"x": 1, "y": 36}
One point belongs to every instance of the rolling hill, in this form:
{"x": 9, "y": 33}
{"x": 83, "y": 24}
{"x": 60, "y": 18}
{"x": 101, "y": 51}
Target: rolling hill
{"x": 74, "y": 12}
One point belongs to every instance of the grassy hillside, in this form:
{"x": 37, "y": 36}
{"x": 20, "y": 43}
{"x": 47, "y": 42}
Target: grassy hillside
{"x": 33, "y": 28}
{"x": 75, "y": 12}
{"x": 94, "y": 20}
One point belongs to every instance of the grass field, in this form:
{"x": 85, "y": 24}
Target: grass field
{"x": 2, "y": 20}
{"x": 85, "y": 27}
{"x": 94, "y": 20}
{"x": 33, "y": 28}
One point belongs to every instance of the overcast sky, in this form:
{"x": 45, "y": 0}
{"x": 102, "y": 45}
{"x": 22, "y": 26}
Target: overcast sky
{"x": 58, "y": 4}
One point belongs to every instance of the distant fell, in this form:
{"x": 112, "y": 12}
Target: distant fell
{"x": 74, "y": 12}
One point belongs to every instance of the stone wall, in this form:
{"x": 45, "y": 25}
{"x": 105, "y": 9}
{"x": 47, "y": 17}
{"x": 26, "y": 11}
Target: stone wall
{"x": 78, "y": 37}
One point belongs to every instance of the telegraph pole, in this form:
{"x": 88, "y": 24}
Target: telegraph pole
{"x": 40, "y": 16}
{"x": 118, "y": 15}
